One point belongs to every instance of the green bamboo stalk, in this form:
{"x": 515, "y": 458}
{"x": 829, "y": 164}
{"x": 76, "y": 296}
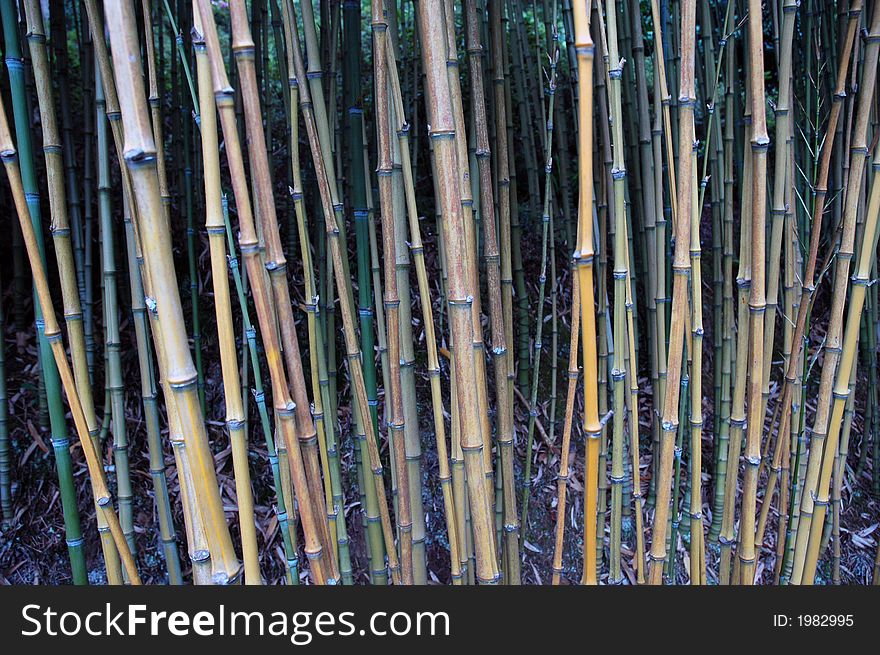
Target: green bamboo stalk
{"x": 358, "y": 191}
{"x": 114, "y": 382}
{"x": 50, "y": 382}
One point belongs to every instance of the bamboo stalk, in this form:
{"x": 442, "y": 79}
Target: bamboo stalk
{"x": 760, "y": 142}
{"x": 49, "y": 390}
{"x": 826, "y": 430}
{"x": 276, "y": 265}
{"x": 358, "y": 192}
{"x": 417, "y": 250}
{"x": 821, "y": 191}
{"x": 681, "y": 270}
{"x": 53, "y": 336}
{"x": 394, "y": 393}
{"x": 140, "y": 158}
{"x": 228, "y": 360}
{"x": 285, "y": 408}
{"x": 492, "y": 258}
{"x": 442, "y": 132}
{"x": 353, "y": 353}
{"x": 584, "y": 255}
{"x": 564, "y": 468}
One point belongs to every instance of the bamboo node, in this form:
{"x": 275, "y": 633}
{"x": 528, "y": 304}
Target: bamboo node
{"x": 139, "y": 157}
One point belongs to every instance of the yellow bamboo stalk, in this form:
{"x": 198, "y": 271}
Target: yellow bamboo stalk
{"x": 585, "y": 264}
{"x": 216, "y": 228}
{"x": 285, "y": 408}
{"x": 140, "y": 158}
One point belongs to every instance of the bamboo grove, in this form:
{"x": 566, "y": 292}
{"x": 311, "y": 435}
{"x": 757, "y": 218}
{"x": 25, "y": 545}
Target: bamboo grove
{"x": 460, "y": 292}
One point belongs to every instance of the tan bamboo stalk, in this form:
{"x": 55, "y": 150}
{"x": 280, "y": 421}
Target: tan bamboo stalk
{"x": 353, "y": 352}
{"x": 442, "y": 132}
{"x": 321, "y": 569}
{"x": 681, "y": 269}
{"x": 665, "y": 99}
{"x": 180, "y": 373}
{"x": 492, "y": 258}
{"x": 412, "y": 429}
{"x": 564, "y": 468}
{"x": 142, "y": 287}
{"x": 660, "y": 298}
{"x": 394, "y": 393}
{"x": 276, "y": 265}
{"x": 195, "y": 518}
{"x": 840, "y": 471}
{"x": 53, "y": 334}
{"x": 760, "y": 143}
{"x": 216, "y": 228}
{"x": 826, "y": 431}
{"x": 472, "y": 271}
{"x": 418, "y": 252}
{"x": 148, "y": 376}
